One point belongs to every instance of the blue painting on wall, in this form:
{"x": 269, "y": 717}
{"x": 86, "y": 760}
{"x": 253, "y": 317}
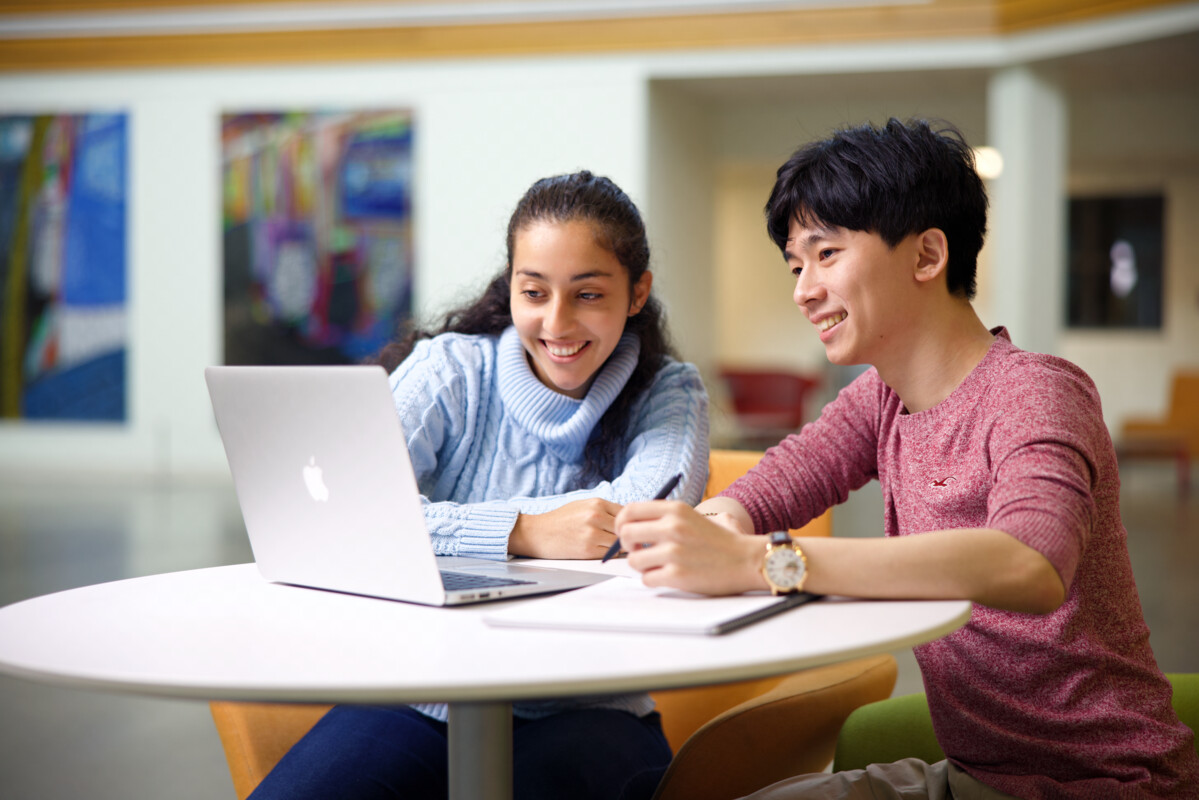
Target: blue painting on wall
{"x": 63, "y": 315}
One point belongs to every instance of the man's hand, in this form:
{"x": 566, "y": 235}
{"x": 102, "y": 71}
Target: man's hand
{"x": 581, "y": 529}
{"x": 672, "y": 544}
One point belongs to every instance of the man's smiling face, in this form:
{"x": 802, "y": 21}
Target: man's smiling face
{"x": 853, "y": 288}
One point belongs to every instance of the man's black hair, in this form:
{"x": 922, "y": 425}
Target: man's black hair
{"x": 894, "y": 181}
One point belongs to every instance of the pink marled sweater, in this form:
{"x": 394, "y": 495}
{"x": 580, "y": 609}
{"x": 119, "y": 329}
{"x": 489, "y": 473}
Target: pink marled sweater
{"x": 1065, "y": 705}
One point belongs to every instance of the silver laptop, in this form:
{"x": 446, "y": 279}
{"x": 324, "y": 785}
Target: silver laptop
{"x": 328, "y": 494}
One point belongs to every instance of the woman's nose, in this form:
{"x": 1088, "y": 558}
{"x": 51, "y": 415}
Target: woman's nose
{"x": 559, "y": 317}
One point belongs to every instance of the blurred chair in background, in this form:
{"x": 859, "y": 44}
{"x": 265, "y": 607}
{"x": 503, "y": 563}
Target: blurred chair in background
{"x": 767, "y": 404}
{"x": 1174, "y": 436}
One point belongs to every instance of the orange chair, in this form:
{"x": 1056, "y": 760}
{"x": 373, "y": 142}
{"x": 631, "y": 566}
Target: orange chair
{"x": 729, "y": 739}
{"x": 732, "y": 739}
{"x": 786, "y": 726}
{"x": 726, "y": 466}
{"x": 1175, "y": 436}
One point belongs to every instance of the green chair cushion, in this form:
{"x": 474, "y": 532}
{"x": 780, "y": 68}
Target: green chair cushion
{"x": 1186, "y": 700}
{"x": 886, "y": 731}
{"x": 901, "y": 727}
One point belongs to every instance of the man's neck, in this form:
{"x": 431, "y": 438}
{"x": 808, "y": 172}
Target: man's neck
{"x": 937, "y": 357}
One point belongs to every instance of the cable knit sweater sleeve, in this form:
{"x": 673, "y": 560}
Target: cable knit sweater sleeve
{"x": 441, "y": 393}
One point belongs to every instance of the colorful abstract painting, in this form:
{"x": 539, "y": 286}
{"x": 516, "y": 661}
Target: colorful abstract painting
{"x": 317, "y": 224}
{"x": 63, "y": 316}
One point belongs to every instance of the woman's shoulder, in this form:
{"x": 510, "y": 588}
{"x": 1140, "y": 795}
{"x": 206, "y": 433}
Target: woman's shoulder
{"x": 678, "y": 374}
{"x": 447, "y": 358}
{"x": 456, "y": 348}
{"x": 676, "y": 385}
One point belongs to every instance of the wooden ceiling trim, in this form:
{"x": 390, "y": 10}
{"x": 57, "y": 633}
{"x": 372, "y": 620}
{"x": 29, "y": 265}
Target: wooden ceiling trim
{"x": 940, "y": 18}
{"x": 1014, "y": 16}
{"x": 948, "y": 17}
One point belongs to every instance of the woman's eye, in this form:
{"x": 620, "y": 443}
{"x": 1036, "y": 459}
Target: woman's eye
{"x": 826, "y": 253}
{"x": 590, "y": 296}
{"x": 532, "y": 294}
{"x": 796, "y": 271}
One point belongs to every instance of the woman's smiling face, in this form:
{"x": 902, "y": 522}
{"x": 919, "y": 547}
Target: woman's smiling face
{"x": 570, "y": 301}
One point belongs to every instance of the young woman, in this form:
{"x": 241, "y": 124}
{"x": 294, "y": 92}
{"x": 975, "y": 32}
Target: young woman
{"x": 532, "y": 416}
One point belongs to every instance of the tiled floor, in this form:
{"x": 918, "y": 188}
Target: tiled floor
{"x": 60, "y": 744}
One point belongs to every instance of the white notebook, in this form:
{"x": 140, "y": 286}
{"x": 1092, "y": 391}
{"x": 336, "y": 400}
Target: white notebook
{"x": 625, "y": 604}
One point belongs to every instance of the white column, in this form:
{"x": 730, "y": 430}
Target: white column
{"x": 679, "y": 217}
{"x": 1027, "y": 121}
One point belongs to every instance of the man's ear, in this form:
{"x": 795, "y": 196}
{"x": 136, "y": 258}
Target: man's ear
{"x": 932, "y": 255}
{"x": 641, "y": 292}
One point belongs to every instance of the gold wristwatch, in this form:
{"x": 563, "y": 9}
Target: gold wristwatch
{"x": 784, "y": 565}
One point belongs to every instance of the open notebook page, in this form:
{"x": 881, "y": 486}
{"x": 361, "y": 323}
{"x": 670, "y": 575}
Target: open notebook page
{"x": 625, "y": 604}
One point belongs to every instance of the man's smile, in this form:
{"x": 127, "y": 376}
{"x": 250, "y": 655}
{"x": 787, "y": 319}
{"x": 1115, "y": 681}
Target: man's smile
{"x": 830, "y": 321}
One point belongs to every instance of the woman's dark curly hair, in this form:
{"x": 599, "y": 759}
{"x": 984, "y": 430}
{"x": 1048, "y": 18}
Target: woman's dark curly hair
{"x": 620, "y": 230}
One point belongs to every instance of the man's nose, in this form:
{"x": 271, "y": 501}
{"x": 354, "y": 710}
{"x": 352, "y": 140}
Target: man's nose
{"x": 806, "y": 288}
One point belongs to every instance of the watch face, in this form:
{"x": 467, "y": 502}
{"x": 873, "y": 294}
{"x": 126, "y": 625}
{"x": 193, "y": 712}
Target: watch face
{"x": 784, "y": 568}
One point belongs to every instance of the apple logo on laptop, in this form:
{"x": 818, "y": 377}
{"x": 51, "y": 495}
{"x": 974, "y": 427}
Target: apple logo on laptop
{"x": 315, "y": 481}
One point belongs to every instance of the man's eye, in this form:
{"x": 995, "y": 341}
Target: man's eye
{"x": 827, "y": 253}
{"x": 796, "y": 271}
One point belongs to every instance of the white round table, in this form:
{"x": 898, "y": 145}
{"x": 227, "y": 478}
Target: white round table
{"x": 225, "y": 633}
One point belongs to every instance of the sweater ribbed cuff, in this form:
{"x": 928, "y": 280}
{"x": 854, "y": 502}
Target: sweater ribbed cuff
{"x": 485, "y": 532}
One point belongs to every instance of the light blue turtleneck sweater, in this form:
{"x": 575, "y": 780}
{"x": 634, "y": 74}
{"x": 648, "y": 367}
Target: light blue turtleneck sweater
{"x": 489, "y": 441}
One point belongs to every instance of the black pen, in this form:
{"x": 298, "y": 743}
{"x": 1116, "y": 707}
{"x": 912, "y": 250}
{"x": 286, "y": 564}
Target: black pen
{"x": 661, "y": 495}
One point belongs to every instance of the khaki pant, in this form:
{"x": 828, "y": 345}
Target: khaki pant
{"x": 907, "y": 779}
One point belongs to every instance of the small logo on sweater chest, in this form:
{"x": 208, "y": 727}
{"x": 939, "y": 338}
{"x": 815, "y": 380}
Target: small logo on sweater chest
{"x": 944, "y": 481}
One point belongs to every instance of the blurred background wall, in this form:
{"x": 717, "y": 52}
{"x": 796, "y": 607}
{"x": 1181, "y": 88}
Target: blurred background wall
{"x": 690, "y": 108}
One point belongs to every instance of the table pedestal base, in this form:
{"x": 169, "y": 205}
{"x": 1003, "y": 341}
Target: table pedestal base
{"x": 480, "y": 751}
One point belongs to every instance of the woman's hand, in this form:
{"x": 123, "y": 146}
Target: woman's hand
{"x": 581, "y": 529}
{"x": 672, "y": 544}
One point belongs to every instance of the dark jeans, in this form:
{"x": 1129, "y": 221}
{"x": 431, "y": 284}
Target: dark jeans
{"x": 368, "y": 752}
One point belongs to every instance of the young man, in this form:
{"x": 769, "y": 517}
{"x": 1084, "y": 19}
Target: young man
{"x": 999, "y": 482}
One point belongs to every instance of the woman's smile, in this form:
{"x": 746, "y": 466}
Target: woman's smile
{"x": 564, "y": 352}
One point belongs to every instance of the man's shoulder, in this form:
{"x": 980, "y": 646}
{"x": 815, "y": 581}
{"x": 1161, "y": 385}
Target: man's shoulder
{"x": 1037, "y": 388}
{"x": 868, "y": 388}
{"x": 1026, "y": 371}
